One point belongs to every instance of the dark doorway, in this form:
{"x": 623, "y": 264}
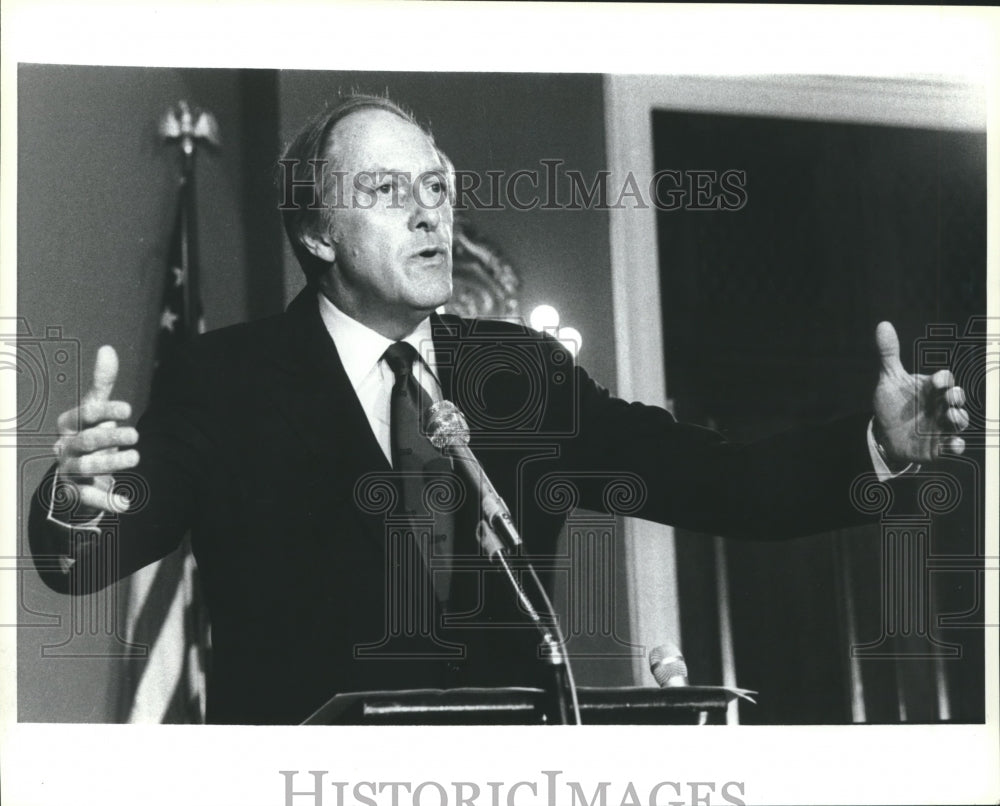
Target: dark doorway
{"x": 769, "y": 312}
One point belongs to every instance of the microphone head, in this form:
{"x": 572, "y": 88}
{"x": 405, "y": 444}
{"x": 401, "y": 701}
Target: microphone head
{"x": 668, "y": 666}
{"x": 446, "y": 426}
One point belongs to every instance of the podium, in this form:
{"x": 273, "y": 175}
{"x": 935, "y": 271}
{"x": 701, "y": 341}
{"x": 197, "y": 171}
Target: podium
{"x": 677, "y": 705}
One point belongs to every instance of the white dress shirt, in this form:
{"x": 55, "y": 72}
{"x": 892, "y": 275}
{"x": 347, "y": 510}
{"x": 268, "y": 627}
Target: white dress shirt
{"x": 361, "y": 350}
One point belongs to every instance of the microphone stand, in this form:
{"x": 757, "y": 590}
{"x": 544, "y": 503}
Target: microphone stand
{"x": 563, "y": 707}
{"x": 448, "y": 431}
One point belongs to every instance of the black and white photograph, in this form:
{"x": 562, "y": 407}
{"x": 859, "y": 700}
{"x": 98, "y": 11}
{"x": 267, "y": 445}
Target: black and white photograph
{"x": 460, "y": 404}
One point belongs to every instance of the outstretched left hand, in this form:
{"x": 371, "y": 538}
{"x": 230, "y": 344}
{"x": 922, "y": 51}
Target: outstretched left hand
{"x": 917, "y": 417}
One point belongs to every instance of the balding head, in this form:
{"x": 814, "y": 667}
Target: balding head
{"x": 305, "y": 171}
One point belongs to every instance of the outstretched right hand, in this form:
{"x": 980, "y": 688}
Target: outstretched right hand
{"x": 90, "y": 438}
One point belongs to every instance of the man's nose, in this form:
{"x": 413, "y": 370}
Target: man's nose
{"x": 425, "y": 216}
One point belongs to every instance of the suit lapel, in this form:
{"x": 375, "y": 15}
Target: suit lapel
{"x": 311, "y": 389}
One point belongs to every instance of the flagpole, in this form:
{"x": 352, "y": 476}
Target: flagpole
{"x": 187, "y": 201}
{"x": 188, "y": 129}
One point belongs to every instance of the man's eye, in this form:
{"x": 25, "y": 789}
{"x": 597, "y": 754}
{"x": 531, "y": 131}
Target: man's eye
{"x": 385, "y": 187}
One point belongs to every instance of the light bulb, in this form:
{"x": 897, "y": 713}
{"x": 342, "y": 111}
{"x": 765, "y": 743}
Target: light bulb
{"x": 544, "y": 317}
{"x": 571, "y": 340}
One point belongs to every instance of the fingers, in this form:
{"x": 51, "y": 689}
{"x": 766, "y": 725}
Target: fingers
{"x": 97, "y": 438}
{"x": 943, "y": 379}
{"x": 953, "y": 416}
{"x": 97, "y": 464}
{"x": 91, "y": 413}
{"x": 105, "y": 374}
{"x": 90, "y": 442}
{"x": 96, "y": 406}
{"x": 954, "y": 446}
{"x": 957, "y": 418}
{"x": 99, "y": 498}
{"x": 888, "y": 347}
{"x": 955, "y": 397}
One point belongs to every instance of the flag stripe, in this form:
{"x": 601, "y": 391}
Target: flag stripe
{"x": 181, "y": 704}
{"x": 164, "y": 669}
{"x": 175, "y": 665}
{"x": 146, "y": 618}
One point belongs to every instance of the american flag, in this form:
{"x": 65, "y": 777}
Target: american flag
{"x": 165, "y": 611}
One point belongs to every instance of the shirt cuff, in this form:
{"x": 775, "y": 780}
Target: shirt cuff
{"x": 877, "y": 453}
{"x": 91, "y": 528}
{"x": 93, "y": 525}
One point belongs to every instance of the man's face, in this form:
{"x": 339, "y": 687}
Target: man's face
{"x": 391, "y": 223}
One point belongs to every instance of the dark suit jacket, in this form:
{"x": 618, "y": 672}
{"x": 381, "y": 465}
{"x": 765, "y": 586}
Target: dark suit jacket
{"x": 259, "y": 446}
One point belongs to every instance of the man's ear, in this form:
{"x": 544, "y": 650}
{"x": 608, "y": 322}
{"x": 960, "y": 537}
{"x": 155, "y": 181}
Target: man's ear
{"x": 319, "y": 245}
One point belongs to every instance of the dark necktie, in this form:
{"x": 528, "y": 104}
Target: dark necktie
{"x": 417, "y": 462}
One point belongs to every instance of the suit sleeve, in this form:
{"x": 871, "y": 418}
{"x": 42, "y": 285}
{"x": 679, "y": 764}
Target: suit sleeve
{"x": 792, "y": 484}
{"x": 74, "y": 554}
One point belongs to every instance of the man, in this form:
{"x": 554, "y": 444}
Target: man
{"x": 282, "y": 446}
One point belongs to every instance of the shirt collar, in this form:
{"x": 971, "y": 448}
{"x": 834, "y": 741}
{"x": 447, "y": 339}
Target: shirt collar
{"x": 361, "y": 348}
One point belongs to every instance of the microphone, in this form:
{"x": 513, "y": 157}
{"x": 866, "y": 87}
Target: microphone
{"x": 667, "y": 665}
{"x": 449, "y": 433}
